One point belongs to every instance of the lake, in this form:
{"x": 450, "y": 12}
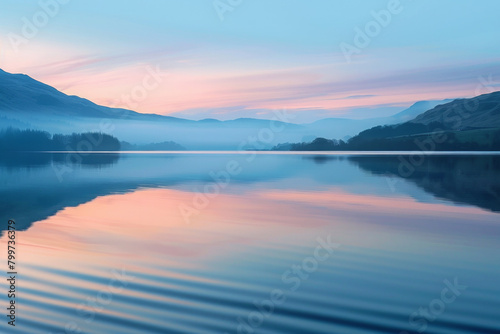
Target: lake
{"x": 252, "y": 242}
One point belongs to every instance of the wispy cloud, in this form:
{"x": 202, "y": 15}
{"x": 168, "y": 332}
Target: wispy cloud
{"x": 236, "y": 67}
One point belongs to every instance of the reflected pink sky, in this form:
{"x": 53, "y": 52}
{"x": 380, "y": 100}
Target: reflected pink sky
{"x": 71, "y": 256}
{"x": 147, "y": 225}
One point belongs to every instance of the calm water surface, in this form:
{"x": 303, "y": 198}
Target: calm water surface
{"x": 244, "y": 243}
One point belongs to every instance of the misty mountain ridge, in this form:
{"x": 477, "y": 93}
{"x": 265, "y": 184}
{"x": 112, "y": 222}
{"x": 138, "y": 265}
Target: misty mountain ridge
{"x": 482, "y": 111}
{"x": 28, "y": 103}
{"x": 460, "y": 125}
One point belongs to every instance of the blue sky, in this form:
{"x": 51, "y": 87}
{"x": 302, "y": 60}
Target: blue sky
{"x": 262, "y": 55}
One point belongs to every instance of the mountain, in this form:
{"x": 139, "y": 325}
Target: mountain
{"x": 343, "y": 128}
{"x": 26, "y": 103}
{"x": 416, "y": 109}
{"x": 482, "y": 111}
{"x": 23, "y": 95}
{"x": 460, "y": 125}
{"x": 29, "y": 104}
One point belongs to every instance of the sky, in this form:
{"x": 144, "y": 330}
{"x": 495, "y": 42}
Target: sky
{"x": 227, "y": 59}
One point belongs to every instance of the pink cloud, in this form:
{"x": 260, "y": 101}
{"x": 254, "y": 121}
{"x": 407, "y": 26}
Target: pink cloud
{"x": 222, "y": 80}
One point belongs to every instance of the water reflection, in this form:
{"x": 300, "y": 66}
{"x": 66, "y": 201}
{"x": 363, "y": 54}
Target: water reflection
{"x": 473, "y": 180}
{"x": 201, "y": 277}
{"x": 17, "y": 160}
{"x": 399, "y": 241}
{"x": 33, "y": 188}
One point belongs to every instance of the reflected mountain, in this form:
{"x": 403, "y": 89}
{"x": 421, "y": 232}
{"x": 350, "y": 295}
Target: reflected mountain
{"x": 34, "y": 188}
{"x": 465, "y": 179}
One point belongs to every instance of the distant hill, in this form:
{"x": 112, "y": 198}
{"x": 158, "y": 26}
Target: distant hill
{"x": 415, "y": 110}
{"x": 29, "y": 104}
{"x": 342, "y": 128}
{"x": 482, "y": 111}
{"x": 24, "y": 95}
{"x": 26, "y": 103}
{"x": 464, "y": 124}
